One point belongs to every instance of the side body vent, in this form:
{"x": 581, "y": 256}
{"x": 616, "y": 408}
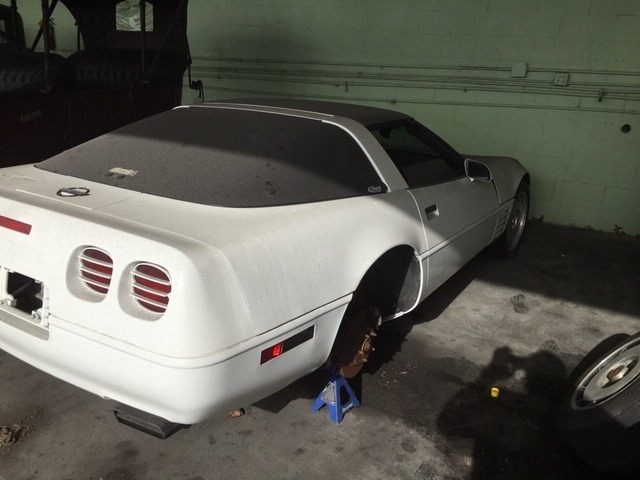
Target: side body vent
{"x": 503, "y": 218}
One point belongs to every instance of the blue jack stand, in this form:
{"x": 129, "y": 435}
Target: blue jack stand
{"x": 331, "y": 396}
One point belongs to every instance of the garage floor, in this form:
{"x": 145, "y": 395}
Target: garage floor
{"x": 521, "y": 325}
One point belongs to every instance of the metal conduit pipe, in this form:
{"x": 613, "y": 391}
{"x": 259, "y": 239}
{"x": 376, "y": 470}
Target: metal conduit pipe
{"x": 413, "y": 101}
{"x": 464, "y": 82}
{"x": 531, "y": 69}
{"x": 463, "y": 79}
{"x": 596, "y": 91}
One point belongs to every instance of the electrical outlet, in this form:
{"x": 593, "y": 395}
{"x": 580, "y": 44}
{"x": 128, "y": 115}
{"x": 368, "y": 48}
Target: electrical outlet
{"x": 519, "y": 70}
{"x": 561, "y": 79}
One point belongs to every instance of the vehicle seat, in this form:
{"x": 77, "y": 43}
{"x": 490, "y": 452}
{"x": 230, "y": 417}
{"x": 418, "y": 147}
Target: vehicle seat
{"x": 117, "y": 68}
{"x": 22, "y": 70}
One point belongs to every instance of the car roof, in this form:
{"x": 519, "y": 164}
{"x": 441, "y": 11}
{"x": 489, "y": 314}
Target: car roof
{"x": 367, "y": 116}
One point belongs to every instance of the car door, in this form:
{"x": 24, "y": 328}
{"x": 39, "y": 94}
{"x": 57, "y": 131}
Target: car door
{"x": 459, "y": 215}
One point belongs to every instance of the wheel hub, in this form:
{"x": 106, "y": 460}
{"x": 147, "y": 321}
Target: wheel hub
{"x": 358, "y": 343}
{"x": 517, "y": 220}
{"x": 612, "y": 375}
{"x": 617, "y": 373}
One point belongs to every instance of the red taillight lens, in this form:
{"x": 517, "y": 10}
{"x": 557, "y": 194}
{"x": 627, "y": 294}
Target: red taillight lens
{"x": 151, "y": 286}
{"x": 16, "y": 225}
{"x": 96, "y": 268}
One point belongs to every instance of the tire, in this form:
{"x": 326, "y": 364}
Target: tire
{"x": 507, "y": 245}
{"x": 600, "y": 415}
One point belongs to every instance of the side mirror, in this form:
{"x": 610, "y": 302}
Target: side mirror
{"x": 475, "y": 170}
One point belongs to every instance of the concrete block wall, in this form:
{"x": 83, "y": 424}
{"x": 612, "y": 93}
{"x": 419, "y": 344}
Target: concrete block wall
{"x": 453, "y": 64}
{"x": 449, "y": 63}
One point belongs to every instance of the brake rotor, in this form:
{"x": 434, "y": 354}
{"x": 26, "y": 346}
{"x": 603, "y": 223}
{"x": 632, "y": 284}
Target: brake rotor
{"x": 358, "y": 342}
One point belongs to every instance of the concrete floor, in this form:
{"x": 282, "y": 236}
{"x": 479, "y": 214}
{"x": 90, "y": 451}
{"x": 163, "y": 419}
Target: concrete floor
{"x": 426, "y": 409}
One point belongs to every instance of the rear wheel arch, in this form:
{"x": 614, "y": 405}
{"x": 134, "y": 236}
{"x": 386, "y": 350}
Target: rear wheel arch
{"x": 392, "y": 283}
{"x": 391, "y": 286}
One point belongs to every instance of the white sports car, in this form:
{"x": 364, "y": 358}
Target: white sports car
{"x": 204, "y": 258}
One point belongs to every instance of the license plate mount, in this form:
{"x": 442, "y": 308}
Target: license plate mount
{"x": 26, "y": 292}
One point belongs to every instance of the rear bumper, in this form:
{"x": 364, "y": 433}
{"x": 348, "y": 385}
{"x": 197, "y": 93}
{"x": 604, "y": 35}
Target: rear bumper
{"x": 181, "y": 390}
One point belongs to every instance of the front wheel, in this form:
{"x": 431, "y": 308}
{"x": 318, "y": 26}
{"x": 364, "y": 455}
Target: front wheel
{"x": 507, "y": 245}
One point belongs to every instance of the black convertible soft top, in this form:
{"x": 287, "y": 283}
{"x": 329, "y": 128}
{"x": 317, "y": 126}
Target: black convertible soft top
{"x": 226, "y": 157}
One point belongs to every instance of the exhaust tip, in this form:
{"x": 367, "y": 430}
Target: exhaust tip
{"x": 146, "y": 422}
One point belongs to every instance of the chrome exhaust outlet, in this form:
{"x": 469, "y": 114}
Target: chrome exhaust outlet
{"x": 146, "y": 422}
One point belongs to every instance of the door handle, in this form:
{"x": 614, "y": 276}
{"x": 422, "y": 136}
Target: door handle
{"x": 431, "y": 212}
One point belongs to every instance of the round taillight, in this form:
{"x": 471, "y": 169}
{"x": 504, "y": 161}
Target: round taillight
{"x": 95, "y": 269}
{"x": 150, "y": 287}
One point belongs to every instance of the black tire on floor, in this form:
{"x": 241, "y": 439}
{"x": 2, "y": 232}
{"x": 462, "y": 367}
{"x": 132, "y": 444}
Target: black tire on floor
{"x": 600, "y": 415}
{"x": 507, "y": 245}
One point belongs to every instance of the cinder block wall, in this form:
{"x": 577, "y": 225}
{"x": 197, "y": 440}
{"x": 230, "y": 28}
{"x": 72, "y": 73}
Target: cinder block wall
{"x": 459, "y": 66}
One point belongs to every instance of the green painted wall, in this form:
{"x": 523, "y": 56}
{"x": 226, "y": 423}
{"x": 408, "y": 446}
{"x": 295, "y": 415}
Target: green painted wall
{"x": 458, "y": 66}
{"x": 449, "y": 63}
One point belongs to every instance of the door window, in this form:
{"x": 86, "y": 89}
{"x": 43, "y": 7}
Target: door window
{"x": 420, "y": 156}
{"x": 129, "y": 17}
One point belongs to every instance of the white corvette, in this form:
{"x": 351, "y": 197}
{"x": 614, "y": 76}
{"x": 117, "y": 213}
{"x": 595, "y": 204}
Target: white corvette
{"x": 204, "y": 258}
